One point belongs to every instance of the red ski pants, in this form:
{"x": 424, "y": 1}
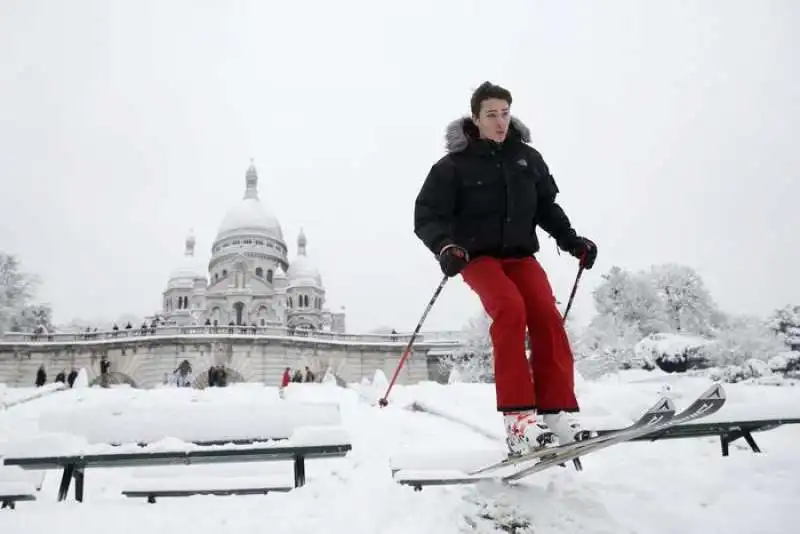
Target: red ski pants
{"x": 516, "y": 295}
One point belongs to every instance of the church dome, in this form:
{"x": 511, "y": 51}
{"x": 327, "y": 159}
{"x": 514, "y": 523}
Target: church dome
{"x": 249, "y": 215}
{"x": 188, "y": 269}
{"x": 302, "y": 271}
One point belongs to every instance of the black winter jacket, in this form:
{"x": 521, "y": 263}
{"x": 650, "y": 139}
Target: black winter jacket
{"x": 489, "y": 197}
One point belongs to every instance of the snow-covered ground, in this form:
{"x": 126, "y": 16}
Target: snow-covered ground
{"x": 662, "y": 487}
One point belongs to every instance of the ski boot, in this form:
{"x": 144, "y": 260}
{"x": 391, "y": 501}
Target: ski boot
{"x": 524, "y": 434}
{"x": 566, "y": 427}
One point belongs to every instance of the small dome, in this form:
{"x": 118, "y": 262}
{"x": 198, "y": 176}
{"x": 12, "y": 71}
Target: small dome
{"x": 249, "y": 215}
{"x": 188, "y": 267}
{"x": 302, "y": 271}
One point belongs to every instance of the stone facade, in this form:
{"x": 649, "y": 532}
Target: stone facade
{"x": 146, "y": 361}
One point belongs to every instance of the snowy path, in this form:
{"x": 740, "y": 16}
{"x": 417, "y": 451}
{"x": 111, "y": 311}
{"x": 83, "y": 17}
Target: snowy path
{"x": 661, "y": 487}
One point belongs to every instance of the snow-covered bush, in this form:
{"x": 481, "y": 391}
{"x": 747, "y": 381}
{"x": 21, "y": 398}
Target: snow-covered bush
{"x": 752, "y": 368}
{"x": 674, "y": 353}
{"x": 473, "y": 362}
{"x": 745, "y": 338}
{"x": 785, "y": 362}
{"x": 607, "y": 343}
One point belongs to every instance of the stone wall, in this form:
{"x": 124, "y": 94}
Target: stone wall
{"x": 145, "y": 361}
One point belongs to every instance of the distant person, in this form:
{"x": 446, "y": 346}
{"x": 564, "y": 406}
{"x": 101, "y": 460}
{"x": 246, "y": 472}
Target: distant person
{"x": 309, "y": 375}
{"x": 477, "y": 211}
{"x": 41, "y": 376}
{"x": 286, "y": 378}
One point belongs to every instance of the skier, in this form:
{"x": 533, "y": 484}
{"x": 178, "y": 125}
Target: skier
{"x": 477, "y": 211}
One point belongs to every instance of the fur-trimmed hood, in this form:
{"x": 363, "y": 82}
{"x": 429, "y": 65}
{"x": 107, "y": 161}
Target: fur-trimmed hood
{"x": 460, "y": 131}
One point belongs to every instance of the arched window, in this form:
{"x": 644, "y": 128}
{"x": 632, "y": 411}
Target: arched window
{"x": 224, "y": 273}
{"x": 259, "y": 272}
{"x": 269, "y": 276}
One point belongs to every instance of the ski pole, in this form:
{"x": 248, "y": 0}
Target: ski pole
{"x": 383, "y": 401}
{"x": 574, "y": 289}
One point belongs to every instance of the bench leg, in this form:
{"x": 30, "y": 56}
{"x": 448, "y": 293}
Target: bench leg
{"x": 724, "y": 442}
{"x": 66, "y": 479}
{"x": 11, "y": 505}
{"x": 151, "y": 499}
{"x": 726, "y": 438}
{"x": 748, "y": 437}
{"x": 299, "y": 471}
{"x": 78, "y": 474}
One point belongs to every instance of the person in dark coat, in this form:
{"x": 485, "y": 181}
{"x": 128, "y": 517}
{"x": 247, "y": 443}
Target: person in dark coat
{"x": 41, "y": 377}
{"x": 477, "y": 211}
{"x": 73, "y": 375}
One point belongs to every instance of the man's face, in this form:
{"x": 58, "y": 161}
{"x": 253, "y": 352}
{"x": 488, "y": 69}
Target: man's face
{"x": 493, "y": 119}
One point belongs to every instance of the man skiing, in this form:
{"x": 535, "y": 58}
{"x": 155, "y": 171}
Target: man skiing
{"x": 477, "y": 211}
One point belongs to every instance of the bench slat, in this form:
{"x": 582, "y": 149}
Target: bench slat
{"x": 156, "y": 458}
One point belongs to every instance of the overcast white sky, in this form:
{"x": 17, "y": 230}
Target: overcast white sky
{"x": 670, "y": 127}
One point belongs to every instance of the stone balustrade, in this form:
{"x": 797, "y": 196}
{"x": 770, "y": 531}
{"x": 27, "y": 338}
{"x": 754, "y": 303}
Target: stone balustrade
{"x": 445, "y": 337}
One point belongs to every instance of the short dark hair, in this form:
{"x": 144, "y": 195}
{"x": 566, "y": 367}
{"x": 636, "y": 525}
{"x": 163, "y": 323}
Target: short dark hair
{"x": 486, "y": 91}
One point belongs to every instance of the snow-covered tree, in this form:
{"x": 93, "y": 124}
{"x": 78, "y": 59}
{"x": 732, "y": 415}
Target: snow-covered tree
{"x": 608, "y": 342}
{"x": 783, "y": 319}
{"x": 473, "y": 362}
{"x": 16, "y": 290}
{"x": 786, "y": 323}
{"x": 688, "y": 306}
{"x": 37, "y": 318}
{"x": 631, "y": 300}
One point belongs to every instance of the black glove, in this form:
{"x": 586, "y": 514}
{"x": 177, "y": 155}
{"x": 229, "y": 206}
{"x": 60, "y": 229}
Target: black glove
{"x": 452, "y": 260}
{"x": 585, "y": 250}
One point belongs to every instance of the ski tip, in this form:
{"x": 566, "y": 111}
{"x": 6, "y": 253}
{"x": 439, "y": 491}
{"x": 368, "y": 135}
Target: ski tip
{"x": 717, "y": 391}
{"x": 664, "y": 404}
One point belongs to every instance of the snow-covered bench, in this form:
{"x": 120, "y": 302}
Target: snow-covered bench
{"x": 305, "y": 443}
{"x": 728, "y": 431}
{"x": 130, "y": 435}
{"x": 17, "y": 485}
{"x": 202, "y": 423}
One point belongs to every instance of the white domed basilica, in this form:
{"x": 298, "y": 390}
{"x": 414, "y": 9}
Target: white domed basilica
{"x": 250, "y": 280}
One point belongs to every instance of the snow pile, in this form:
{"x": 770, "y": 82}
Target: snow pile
{"x": 188, "y": 422}
{"x": 10, "y": 397}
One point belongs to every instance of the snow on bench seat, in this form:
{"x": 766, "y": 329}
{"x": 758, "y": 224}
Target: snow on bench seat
{"x": 12, "y": 474}
{"x": 16, "y": 485}
{"x": 196, "y": 422}
{"x": 51, "y": 445}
